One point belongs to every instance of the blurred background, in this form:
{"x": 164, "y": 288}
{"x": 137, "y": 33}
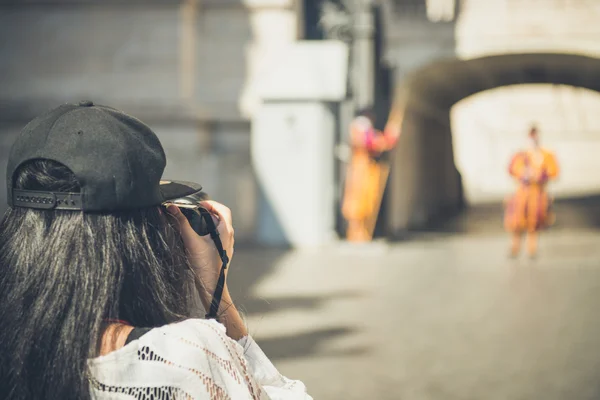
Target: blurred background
{"x": 253, "y": 99}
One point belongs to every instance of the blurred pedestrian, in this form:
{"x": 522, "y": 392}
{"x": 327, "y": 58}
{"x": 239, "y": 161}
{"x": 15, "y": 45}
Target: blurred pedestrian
{"x": 528, "y": 210}
{"x": 364, "y": 176}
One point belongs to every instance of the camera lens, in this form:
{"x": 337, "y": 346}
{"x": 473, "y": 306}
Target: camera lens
{"x": 196, "y": 221}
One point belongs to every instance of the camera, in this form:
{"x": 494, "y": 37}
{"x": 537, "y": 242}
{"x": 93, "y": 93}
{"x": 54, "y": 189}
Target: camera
{"x": 200, "y": 219}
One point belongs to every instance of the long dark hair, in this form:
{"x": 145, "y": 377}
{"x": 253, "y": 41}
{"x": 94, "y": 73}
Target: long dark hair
{"x": 62, "y": 273}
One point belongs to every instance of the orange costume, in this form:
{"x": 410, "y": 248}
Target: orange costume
{"x": 364, "y": 175}
{"x": 528, "y": 210}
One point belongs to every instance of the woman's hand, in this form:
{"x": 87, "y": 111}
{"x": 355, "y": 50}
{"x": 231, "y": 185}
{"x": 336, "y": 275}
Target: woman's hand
{"x": 207, "y": 264}
{"x": 201, "y": 250}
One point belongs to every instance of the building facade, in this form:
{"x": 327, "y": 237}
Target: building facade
{"x": 190, "y": 69}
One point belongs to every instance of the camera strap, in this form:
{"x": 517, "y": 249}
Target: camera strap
{"x": 218, "y": 294}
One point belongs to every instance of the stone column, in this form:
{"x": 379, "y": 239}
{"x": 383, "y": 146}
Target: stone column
{"x": 363, "y": 52}
{"x": 274, "y": 25}
{"x": 353, "y": 22}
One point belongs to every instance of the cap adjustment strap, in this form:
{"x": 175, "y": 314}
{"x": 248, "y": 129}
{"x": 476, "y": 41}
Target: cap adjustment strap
{"x": 46, "y": 200}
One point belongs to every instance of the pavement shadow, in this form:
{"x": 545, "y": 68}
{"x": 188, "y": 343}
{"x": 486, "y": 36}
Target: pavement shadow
{"x": 310, "y": 344}
{"x": 263, "y": 305}
{"x": 252, "y": 265}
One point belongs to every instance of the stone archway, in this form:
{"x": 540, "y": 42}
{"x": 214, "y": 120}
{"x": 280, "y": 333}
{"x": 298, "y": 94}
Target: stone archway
{"x": 424, "y": 182}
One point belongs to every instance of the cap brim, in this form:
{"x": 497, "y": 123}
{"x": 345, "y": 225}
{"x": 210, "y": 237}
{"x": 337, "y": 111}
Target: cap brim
{"x": 172, "y": 190}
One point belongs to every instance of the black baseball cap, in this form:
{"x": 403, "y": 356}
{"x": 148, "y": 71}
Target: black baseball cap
{"x": 117, "y": 160}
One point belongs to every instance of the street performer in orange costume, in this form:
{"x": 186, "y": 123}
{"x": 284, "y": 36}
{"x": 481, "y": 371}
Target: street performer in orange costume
{"x": 363, "y": 182}
{"x": 528, "y": 210}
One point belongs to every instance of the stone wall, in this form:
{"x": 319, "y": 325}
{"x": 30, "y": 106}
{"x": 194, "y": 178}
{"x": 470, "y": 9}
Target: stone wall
{"x": 187, "y": 68}
{"x": 424, "y": 183}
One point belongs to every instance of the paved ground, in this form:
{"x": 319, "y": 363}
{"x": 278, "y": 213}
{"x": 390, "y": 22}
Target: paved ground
{"x": 439, "y": 316}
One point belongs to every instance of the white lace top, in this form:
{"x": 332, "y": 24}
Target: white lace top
{"x": 193, "y": 359}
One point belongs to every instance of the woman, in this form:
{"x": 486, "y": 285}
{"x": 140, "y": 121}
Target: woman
{"x": 364, "y": 174}
{"x": 528, "y": 210}
{"x": 101, "y": 284}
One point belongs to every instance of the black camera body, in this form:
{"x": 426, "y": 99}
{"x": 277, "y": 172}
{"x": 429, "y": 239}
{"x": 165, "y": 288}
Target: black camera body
{"x": 199, "y": 218}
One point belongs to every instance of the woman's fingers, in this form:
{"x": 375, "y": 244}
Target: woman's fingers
{"x": 188, "y": 235}
{"x": 218, "y": 209}
{"x": 182, "y": 223}
{"x": 225, "y": 225}
{"x": 223, "y": 221}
